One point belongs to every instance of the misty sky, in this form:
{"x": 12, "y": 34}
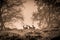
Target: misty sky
{"x": 29, "y": 8}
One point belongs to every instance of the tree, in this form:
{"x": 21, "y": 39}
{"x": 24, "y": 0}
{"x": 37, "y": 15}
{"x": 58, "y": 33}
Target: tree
{"x": 42, "y": 14}
{"x": 8, "y": 11}
{"x": 46, "y": 14}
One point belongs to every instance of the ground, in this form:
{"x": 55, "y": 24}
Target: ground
{"x": 29, "y": 34}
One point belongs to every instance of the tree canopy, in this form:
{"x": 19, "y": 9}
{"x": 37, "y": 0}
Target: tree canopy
{"x": 9, "y": 9}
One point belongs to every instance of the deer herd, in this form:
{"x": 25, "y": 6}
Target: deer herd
{"x": 28, "y": 27}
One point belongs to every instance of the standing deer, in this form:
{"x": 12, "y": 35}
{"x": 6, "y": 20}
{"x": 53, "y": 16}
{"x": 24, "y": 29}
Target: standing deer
{"x": 25, "y": 27}
{"x": 33, "y": 27}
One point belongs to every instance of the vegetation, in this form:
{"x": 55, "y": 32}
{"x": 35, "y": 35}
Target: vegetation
{"x": 8, "y": 10}
{"x": 48, "y": 14}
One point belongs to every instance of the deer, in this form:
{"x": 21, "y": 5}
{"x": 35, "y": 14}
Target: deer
{"x": 25, "y": 27}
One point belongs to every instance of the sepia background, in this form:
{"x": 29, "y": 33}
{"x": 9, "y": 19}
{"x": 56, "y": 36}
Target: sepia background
{"x": 40, "y": 17}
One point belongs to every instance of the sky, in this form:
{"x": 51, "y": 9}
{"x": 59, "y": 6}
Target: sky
{"x": 29, "y": 8}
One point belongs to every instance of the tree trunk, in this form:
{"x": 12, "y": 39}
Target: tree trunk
{"x": 1, "y": 21}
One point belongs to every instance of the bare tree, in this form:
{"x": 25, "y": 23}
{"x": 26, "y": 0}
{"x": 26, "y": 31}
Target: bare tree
{"x": 46, "y": 13}
{"x": 42, "y": 14}
{"x": 8, "y": 11}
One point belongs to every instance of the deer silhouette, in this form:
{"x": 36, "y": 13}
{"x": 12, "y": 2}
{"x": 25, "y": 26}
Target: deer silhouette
{"x": 33, "y": 26}
{"x": 29, "y": 27}
{"x": 25, "y": 27}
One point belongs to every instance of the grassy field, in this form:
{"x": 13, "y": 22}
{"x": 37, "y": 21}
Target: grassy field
{"x": 29, "y": 34}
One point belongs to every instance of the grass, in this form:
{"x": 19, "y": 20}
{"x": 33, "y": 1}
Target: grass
{"x": 28, "y": 34}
